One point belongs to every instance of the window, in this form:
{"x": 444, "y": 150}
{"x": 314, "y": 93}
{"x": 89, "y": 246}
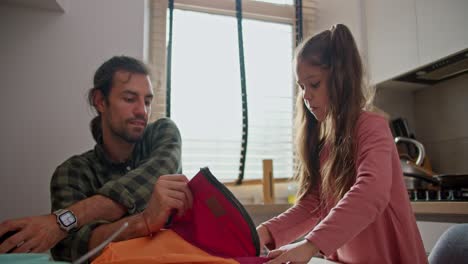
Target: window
{"x": 206, "y": 93}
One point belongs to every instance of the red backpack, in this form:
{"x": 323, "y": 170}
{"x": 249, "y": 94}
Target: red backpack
{"x": 216, "y": 230}
{"x": 218, "y": 223}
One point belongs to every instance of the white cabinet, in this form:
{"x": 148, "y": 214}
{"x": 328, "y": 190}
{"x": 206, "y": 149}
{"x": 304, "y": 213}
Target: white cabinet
{"x": 391, "y": 36}
{"x": 406, "y": 34}
{"x": 442, "y": 28}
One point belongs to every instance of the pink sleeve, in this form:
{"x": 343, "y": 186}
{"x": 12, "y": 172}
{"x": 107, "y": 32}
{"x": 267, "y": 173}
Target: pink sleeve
{"x": 294, "y": 222}
{"x": 369, "y": 195}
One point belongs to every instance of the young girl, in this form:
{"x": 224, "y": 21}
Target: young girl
{"x": 353, "y": 206}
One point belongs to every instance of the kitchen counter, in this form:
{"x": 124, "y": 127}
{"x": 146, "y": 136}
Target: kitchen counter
{"x": 452, "y": 212}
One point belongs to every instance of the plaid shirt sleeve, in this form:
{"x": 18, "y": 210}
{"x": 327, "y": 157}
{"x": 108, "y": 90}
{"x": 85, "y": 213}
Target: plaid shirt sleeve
{"x": 163, "y": 144}
{"x": 70, "y": 184}
{"x": 161, "y": 154}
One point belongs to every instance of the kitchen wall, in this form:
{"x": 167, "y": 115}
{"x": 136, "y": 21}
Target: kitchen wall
{"x": 441, "y": 112}
{"x": 396, "y": 102}
{"x": 48, "y": 61}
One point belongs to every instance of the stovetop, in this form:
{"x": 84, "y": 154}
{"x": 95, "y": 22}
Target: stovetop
{"x": 450, "y": 195}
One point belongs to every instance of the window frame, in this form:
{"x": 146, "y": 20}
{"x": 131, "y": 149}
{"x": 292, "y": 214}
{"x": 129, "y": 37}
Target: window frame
{"x": 250, "y": 9}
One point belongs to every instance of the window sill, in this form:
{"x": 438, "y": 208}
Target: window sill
{"x": 254, "y": 182}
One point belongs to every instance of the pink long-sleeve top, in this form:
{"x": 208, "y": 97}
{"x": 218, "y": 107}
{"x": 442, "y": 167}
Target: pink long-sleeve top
{"x": 373, "y": 222}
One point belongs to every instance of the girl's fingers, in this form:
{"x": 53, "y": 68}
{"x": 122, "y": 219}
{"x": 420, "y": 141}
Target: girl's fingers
{"x": 275, "y": 253}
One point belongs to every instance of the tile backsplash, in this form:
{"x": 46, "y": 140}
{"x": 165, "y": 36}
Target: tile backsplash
{"x": 441, "y": 115}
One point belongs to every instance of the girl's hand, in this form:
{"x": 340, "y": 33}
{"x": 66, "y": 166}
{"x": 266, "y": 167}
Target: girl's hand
{"x": 264, "y": 236}
{"x": 300, "y": 252}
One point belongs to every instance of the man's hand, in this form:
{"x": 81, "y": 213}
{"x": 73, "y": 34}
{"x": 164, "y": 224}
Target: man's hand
{"x": 170, "y": 192}
{"x": 33, "y": 234}
{"x": 300, "y": 252}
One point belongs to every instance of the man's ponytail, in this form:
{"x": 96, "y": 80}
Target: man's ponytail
{"x": 96, "y": 130}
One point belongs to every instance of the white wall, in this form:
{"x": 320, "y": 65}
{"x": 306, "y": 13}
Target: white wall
{"x": 47, "y": 63}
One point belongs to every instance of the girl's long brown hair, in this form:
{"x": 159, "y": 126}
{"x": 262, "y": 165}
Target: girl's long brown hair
{"x": 336, "y": 51}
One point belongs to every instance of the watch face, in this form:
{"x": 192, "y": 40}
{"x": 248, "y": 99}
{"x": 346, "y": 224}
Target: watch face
{"x": 67, "y": 219}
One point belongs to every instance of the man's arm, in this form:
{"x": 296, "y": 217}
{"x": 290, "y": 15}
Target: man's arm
{"x": 95, "y": 208}
{"x": 161, "y": 147}
{"x": 69, "y": 189}
{"x": 39, "y": 233}
{"x": 170, "y": 193}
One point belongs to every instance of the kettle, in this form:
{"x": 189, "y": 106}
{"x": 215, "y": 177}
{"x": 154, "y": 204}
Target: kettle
{"x": 421, "y": 177}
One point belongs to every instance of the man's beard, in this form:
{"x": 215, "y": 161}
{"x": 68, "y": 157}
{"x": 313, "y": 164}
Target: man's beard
{"x": 127, "y": 137}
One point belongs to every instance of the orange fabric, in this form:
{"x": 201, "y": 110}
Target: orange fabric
{"x": 165, "y": 247}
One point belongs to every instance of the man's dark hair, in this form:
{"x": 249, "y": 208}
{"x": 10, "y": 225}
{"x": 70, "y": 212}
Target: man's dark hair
{"x": 104, "y": 80}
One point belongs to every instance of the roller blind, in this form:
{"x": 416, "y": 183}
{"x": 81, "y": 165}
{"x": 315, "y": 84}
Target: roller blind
{"x": 205, "y": 95}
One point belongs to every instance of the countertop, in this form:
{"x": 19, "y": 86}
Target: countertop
{"x": 454, "y": 212}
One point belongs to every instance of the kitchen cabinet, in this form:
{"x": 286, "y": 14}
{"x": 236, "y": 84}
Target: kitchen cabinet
{"x": 391, "y": 37}
{"x": 405, "y": 34}
{"x": 442, "y": 28}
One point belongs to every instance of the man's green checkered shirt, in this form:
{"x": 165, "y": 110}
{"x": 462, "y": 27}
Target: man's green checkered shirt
{"x": 130, "y": 183}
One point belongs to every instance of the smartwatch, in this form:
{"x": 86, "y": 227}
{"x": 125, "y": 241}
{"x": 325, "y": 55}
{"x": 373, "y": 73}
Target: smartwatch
{"x": 66, "y": 220}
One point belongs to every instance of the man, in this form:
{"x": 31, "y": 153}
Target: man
{"x": 131, "y": 175}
